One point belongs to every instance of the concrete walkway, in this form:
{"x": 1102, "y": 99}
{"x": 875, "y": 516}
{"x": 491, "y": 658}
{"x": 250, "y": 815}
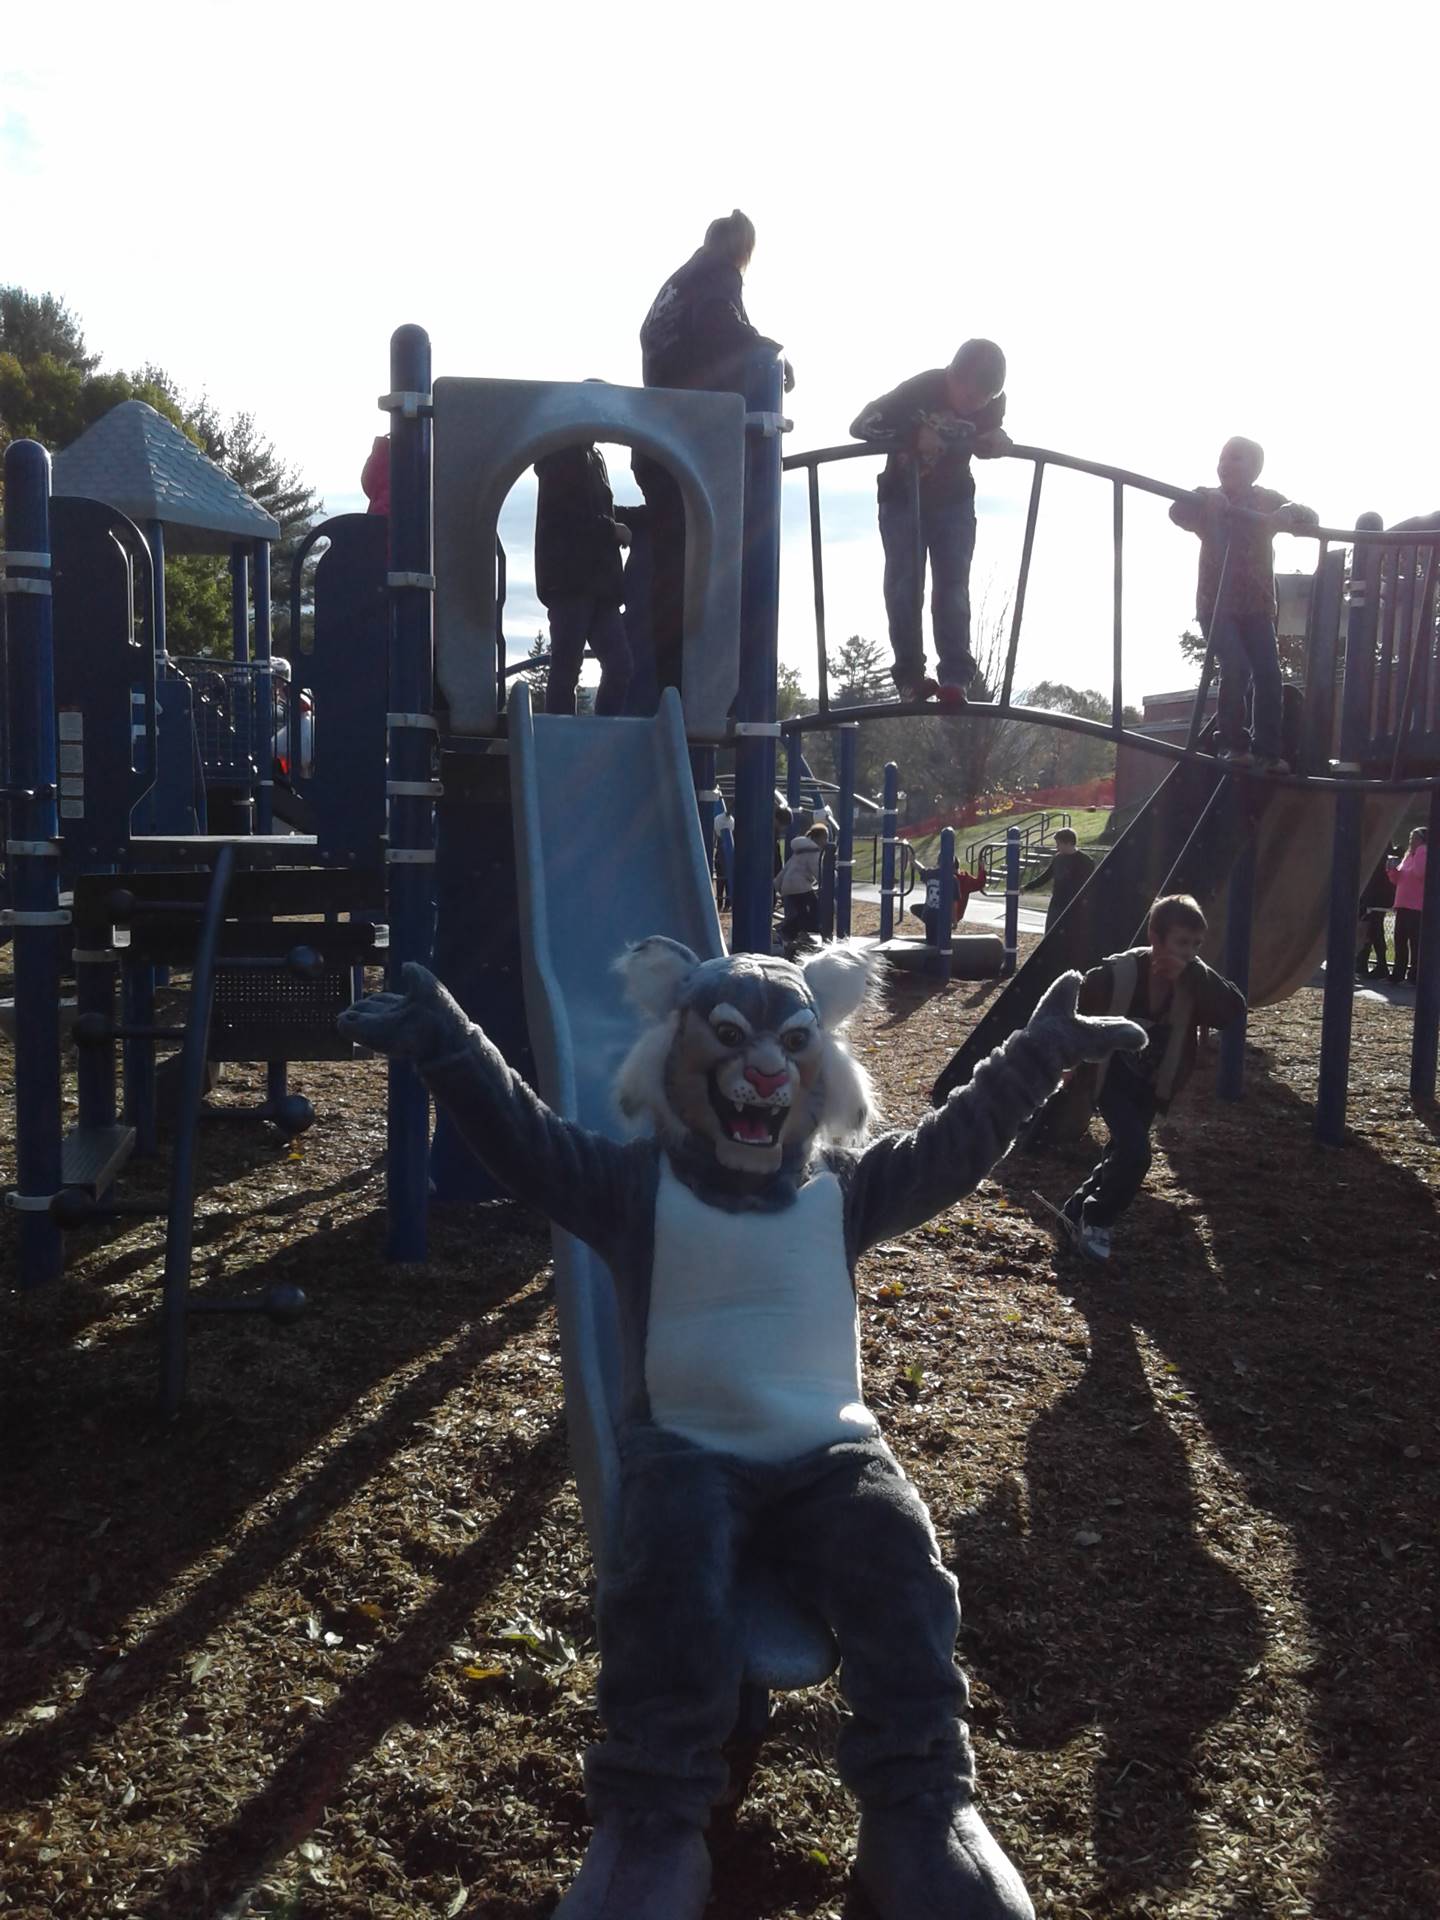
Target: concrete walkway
{"x": 985, "y": 909}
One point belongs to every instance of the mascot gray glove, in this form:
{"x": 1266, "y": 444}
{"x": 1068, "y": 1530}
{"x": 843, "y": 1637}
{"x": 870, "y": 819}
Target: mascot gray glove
{"x": 1067, "y": 1038}
{"x": 423, "y": 1024}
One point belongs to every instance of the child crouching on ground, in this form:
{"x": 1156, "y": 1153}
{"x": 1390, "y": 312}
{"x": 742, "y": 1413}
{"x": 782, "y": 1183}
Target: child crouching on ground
{"x": 1167, "y": 989}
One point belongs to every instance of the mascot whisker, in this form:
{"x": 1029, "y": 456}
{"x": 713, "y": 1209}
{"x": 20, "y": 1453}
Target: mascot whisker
{"x": 732, "y": 1222}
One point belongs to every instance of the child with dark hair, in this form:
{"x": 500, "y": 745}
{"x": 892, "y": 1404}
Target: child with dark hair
{"x": 579, "y": 578}
{"x": 697, "y": 334}
{"x": 1167, "y": 989}
{"x": 1240, "y": 625}
{"x": 1066, "y": 873}
{"x": 933, "y": 424}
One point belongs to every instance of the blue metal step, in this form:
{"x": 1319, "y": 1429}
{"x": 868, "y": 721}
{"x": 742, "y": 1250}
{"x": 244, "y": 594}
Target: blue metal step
{"x": 91, "y": 1157}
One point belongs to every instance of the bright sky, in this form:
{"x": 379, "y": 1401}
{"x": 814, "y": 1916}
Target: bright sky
{"x": 1180, "y": 225}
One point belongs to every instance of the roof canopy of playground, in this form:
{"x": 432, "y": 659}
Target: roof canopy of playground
{"x": 140, "y": 463}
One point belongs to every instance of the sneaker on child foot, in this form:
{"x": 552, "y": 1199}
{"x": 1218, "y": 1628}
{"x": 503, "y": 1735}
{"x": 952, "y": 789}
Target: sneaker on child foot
{"x": 1094, "y": 1241}
{"x": 917, "y": 690}
{"x": 1235, "y": 757}
{"x": 1270, "y": 763}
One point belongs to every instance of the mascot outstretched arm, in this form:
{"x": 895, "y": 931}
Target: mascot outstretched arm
{"x": 732, "y": 1222}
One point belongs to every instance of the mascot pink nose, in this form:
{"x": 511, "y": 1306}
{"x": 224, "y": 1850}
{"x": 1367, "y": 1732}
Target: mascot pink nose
{"x": 765, "y": 1083}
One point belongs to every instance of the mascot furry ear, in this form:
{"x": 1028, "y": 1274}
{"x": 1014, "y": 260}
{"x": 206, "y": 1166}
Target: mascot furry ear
{"x": 840, "y": 979}
{"x": 654, "y": 971}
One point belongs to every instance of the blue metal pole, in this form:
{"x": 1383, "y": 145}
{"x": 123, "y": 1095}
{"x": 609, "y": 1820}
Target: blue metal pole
{"x": 827, "y": 892}
{"x": 891, "y": 798}
{"x": 945, "y": 930}
{"x": 1427, "y": 973}
{"x": 262, "y": 719}
{"x": 180, "y": 1225}
{"x": 794, "y": 769}
{"x": 34, "y": 857}
{"x": 707, "y": 797}
{"x": 755, "y": 705}
{"x": 1338, "y": 1006}
{"x": 95, "y": 1079}
{"x": 410, "y": 851}
{"x": 1239, "y": 920}
{"x": 240, "y": 600}
{"x": 1338, "y": 1009}
{"x": 1012, "y": 900}
{"x": 845, "y": 857}
{"x": 155, "y": 534}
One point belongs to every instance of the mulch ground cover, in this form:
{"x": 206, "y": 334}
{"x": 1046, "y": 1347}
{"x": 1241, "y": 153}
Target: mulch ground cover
{"x": 323, "y": 1647}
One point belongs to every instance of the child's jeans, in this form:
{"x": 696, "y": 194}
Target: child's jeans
{"x": 947, "y": 531}
{"x": 799, "y": 913}
{"x": 1245, "y": 652}
{"x": 1127, "y": 1106}
{"x": 1407, "y": 942}
{"x": 573, "y": 621}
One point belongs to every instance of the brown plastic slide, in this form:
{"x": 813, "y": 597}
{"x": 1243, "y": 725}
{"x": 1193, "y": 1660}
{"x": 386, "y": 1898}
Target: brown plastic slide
{"x": 1294, "y": 839}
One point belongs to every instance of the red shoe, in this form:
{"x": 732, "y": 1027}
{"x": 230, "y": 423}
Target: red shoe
{"x": 916, "y": 691}
{"x": 950, "y": 695}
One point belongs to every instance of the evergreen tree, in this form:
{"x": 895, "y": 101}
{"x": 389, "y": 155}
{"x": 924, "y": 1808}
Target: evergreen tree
{"x": 538, "y": 678}
{"x": 859, "y": 673}
{"x": 38, "y": 326}
{"x": 254, "y": 464}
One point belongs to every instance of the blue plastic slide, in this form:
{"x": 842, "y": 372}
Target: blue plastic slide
{"x": 609, "y": 851}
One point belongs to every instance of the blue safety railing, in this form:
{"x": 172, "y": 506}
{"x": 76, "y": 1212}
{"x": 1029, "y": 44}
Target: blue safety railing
{"x": 227, "y": 715}
{"x": 1385, "y": 720}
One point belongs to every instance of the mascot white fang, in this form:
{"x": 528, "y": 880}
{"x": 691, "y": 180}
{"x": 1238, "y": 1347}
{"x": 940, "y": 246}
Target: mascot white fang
{"x": 732, "y": 1225}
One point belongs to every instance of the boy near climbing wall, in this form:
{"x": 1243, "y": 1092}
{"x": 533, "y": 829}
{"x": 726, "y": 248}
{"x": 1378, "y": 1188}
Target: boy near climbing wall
{"x": 1167, "y": 989}
{"x": 934, "y": 423}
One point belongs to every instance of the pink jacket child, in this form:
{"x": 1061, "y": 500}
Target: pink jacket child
{"x": 1408, "y": 877}
{"x": 375, "y": 475}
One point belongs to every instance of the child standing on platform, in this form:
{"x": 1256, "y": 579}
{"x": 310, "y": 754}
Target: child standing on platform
{"x": 934, "y": 423}
{"x": 579, "y": 577}
{"x": 1240, "y": 623}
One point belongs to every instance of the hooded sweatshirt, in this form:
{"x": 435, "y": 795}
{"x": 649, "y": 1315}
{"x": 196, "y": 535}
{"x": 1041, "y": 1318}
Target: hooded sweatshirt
{"x": 801, "y": 872}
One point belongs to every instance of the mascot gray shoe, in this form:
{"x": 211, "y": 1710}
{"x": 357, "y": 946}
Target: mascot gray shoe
{"x": 933, "y": 1858}
{"x": 640, "y": 1866}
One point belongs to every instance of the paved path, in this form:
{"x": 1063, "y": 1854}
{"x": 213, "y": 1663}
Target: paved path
{"x": 986, "y": 910}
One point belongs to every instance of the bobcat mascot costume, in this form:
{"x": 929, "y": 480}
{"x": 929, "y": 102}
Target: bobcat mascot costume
{"x": 732, "y": 1226}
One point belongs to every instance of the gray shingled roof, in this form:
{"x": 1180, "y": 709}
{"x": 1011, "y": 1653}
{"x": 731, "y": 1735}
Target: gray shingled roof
{"x": 136, "y": 461}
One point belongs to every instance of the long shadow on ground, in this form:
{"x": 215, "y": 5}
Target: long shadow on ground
{"x": 108, "y": 1508}
{"x": 1092, "y": 1604}
{"x": 1292, "y": 1297}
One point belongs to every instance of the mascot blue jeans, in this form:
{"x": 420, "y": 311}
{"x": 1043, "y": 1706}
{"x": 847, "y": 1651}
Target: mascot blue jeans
{"x": 850, "y": 1536}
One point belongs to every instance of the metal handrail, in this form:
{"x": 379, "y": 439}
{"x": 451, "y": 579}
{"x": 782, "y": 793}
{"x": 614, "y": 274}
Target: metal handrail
{"x": 1115, "y": 730}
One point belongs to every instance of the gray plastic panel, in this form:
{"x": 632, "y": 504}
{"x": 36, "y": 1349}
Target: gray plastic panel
{"x": 488, "y": 431}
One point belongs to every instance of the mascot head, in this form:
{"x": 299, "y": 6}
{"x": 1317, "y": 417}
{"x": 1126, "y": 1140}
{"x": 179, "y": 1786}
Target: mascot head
{"x": 741, "y": 1058}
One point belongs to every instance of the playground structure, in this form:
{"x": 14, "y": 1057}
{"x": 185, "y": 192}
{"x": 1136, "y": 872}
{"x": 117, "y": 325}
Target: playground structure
{"x": 480, "y": 834}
